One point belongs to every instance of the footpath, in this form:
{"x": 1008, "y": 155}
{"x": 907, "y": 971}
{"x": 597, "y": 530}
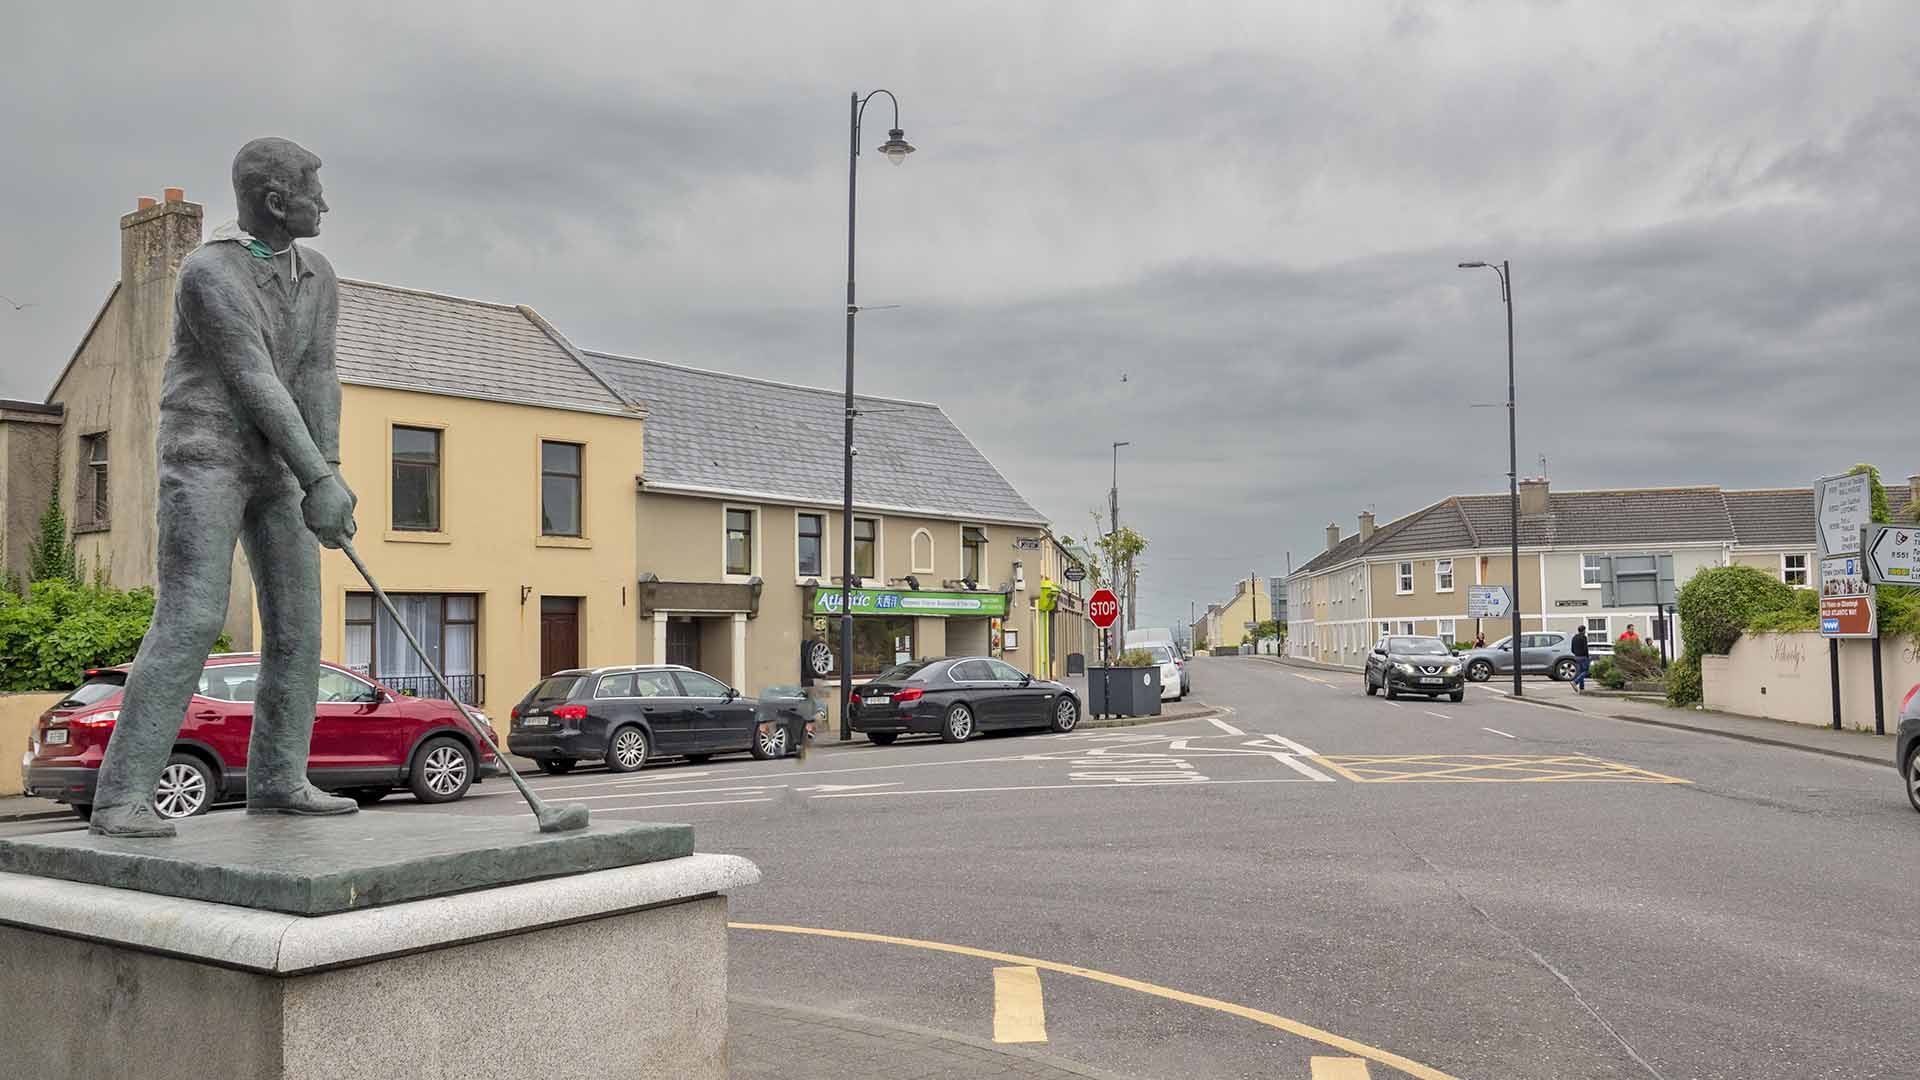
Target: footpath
{"x": 769, "y": 1041}
{"x": 1645, "y": 709}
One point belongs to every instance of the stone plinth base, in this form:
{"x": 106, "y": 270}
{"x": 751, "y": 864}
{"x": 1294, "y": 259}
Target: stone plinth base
{"x": 610, "y": 973}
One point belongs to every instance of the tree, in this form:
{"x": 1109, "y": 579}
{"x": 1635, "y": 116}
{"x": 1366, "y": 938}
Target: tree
{"x": 52, "y": 556}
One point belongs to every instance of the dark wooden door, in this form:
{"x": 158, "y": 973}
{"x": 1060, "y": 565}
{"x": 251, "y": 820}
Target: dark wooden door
{"x": 559, "y": 633}
{"x": 683, "y": 644}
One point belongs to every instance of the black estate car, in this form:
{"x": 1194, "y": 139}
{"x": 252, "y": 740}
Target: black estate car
{"x": 627, "y": 715}
{"x": 958, "y": 697}
{"x": 1414, "y": 665}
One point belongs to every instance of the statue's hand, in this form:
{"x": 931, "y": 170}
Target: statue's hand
{"x": 329, "y": 511}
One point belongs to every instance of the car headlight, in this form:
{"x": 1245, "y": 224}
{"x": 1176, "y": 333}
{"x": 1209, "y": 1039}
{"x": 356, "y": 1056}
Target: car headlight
{"x": 1453, "y": 669}
{"x": 1403, "y": 668}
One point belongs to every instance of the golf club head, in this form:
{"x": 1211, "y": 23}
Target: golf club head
{"x": 562, "y": 818}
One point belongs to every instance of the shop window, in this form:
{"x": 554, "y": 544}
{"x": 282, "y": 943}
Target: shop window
{"x": 739, "y": 542}
{"x": 878, "y": 644}
{"x": 810, "y": 538}
{"x": 865, "y": 548}
{"x": 416, "y": 479}
{"x": 560, "y": 488}
{"x": 973, "y": 554}
{"x": 447, "y": 626}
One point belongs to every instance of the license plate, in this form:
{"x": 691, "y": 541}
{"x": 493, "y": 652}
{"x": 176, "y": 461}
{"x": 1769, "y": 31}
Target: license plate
{"x": 1432, "y": 682}
{"x": 882, "y": 699}
{"x": 56, "y": 736}
{"x": 533, "y": 721}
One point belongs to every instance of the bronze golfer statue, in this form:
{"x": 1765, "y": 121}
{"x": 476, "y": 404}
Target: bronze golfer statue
{"x": 248, "y": 452}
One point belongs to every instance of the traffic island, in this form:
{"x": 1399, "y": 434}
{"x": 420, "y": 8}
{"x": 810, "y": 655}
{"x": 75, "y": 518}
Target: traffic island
{"x": 385, "y": 944}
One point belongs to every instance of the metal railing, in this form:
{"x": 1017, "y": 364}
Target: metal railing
{"x": 467, "y": 689}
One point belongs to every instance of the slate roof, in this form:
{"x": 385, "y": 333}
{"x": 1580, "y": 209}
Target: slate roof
{"x": 1774, "y": 517}
{"x": 403, "y": 339}
{"x": 722, "y": 433}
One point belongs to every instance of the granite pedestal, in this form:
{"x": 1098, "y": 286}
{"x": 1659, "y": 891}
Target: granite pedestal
{"x": 447, "y": 947}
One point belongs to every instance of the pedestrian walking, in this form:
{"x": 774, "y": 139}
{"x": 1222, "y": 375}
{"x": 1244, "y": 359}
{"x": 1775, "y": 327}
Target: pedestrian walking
{"x": 1582, "y": 656}
{"x": 1479, "y": 640}
{"x": 1629, "y": 635}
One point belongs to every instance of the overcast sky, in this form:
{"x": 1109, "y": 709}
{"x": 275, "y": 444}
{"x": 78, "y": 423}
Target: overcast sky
{"x": 1252, "y": 211}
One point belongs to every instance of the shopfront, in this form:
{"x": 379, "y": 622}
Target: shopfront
{"x": 892, "y": 626}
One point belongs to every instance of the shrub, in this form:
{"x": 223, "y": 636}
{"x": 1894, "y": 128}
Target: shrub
{"x": 1803, "y": 613}
{"x": 1637, "y": 660}
{"x": 1683, "y": 680}
{"x": 58, "y": 630}
{"x": 1717, "y": 604}
{"x": 1608, "y": 674}
{"x": 1135, "y": 658}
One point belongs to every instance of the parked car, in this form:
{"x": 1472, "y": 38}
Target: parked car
{"x": 368, "y": 741}
{"x": 1906, "y": 756}
{"x": 1147, "y": 638}
{"x": 1414, "y": 665}
{"x": 1173, "y": 683}
{"x": 957, "y": 698}
{"x": 1548, "y": 653}
{"x": 627, "y": 716}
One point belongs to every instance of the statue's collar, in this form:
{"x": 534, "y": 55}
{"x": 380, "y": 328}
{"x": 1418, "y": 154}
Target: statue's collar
{"x": 231, "y": 232}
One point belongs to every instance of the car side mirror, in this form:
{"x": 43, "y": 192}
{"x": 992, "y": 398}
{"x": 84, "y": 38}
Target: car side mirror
{"x": 732, "y": 693}
{"x": 1026, "y": 680}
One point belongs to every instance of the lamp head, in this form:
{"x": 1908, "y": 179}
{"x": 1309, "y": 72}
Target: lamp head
{"x": 1472, "y": 265}
{"x": 896, "y": 147}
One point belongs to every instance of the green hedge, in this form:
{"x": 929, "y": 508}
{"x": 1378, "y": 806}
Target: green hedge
{"x": 49, "y": 637}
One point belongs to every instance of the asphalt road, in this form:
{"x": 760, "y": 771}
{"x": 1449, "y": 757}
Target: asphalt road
{"x": 1490, "y": 889}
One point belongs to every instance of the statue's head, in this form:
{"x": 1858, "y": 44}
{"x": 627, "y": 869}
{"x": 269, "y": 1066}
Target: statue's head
{"x": 276, "y": 183}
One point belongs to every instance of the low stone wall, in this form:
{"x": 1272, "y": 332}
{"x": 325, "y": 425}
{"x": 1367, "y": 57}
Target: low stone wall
{"x": 18, "y": 714}
{"x": 1786, "y": 677}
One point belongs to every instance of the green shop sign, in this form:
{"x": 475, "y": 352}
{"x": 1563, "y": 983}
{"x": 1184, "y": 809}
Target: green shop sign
{"x": 904, "y": 602}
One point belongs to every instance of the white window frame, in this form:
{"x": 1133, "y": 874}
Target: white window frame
{"x": 913, "y": 551}
{"x": 755, "y": 538}
{"x": 1806, "y": 569}
{"x": 1606, "y": 627}
{"x": 1406, "y": 628}
{"x": 1386, "y": 629}
{"x": 1447, "y": 630}
{"x": 1403, "y": 579}
{"x": 1584, "y": 583}
{"x": 1438, "y": 586}
{"x": 1009, "y": 639}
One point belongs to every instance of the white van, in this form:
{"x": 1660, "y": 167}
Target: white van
{"x": 1159, "y": 636}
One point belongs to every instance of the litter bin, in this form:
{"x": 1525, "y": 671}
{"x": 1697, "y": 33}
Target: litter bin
{"x": 1123, "y": 691}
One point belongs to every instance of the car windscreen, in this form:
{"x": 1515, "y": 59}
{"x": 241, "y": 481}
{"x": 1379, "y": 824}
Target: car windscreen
{"x": 900, "y": 673}
{"x": 557, "y": 688}
{"x": 1417, "y": 646}
{"x": 99, "y": 686}
{"x": 1161, "y": 654}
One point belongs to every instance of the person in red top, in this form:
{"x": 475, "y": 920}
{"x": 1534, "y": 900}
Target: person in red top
{"x": 1628, "y": 634}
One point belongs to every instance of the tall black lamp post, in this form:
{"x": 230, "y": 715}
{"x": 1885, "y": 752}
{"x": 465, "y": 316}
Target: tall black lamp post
{"x": 896, "y": 148}
{"x": 1513, "y": 457}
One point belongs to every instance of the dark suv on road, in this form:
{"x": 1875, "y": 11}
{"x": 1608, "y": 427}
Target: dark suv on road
{"x": 1414, "y": 665}
{"x": 367, "y": 741}
{"x": 627, "y": 716}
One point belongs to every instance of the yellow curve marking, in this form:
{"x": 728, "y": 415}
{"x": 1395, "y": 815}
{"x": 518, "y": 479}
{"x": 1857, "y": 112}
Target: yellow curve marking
{"x": 1258, "y": 1016}
{"x": 1333, "y": 1068}
{"x": 1019, "y": 1013}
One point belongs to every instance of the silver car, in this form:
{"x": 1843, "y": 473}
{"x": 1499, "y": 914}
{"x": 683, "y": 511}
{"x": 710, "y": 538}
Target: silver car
{"x": 1542, "y": 652}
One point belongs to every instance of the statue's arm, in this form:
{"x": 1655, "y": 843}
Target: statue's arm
{"x": 216, "y": 313}
{"x": 327, "y": 435}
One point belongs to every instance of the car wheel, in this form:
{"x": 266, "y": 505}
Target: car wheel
{"x": 367, "y": 796}
{"x": 1480, "y": 671}
{"x": 1565, "y": 670}
{"x": 553, "y": 766}
{"x": 185, "y": 788}
{"x": 958, "y": 725}
{"x": 626, "y": 750}
{"x": 1368, "y": 679}
{"x": 1457, "y": 696}
{"x": 442, "y": 771}
{"x": 770, "y": 742}
{"x": 882, "y": 738}
{"x": 1386, "y": 684}
{"x": 1913, "y": 777}
{"x": 82, "y": 810}
{"x": 1066, "y": 713}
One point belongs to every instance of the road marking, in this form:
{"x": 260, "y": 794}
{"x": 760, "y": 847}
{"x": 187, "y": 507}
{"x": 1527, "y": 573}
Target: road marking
{"x": 1258, "y": 1016}
{"x": 651, "y": 792}
{"x": 1019, "y": 1014}
{"x": 1301, "y": 767}
{"x": 657, "y": 778}
{"x": 670, "y": 805}
{"x": 1497, "y": 731}
{"x": 845, "y": 787}
{"x": 1441, "y": 715}
{"x": 1333, "y": 1068}
{"x": 1224, "y": 726}
{"x": 1084, "y": 786}
{"x": 1487, "y": 769}
{"x": 1291, "y": 745}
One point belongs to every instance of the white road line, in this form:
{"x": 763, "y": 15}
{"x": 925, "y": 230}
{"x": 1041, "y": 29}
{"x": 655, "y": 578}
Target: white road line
{"x": 656, "y": 778}
{"x": 1497, "y": 731}
{"x": 1052, "y": 787}
{"x": 1293, "y": 746}
{"x": 1224, "y": 726}
{"x": 1395, "y": 704}
{"x": 650, "y": 793}
{"x": 1302, "y": 768}
{"x": 1441, "y": 715}
{"x": 671, "y": 805}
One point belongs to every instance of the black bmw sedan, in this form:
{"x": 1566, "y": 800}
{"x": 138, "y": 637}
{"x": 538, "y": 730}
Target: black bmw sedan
{"x": 627, "y": 716}
{"x": 958, "y": 697}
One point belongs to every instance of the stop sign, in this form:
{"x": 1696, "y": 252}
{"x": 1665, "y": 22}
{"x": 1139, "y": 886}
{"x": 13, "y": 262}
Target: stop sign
{"x": 1103, "y": 608}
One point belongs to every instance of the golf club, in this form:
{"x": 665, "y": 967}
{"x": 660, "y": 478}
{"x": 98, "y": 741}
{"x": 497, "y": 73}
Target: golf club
{"x": 561, "y": 819}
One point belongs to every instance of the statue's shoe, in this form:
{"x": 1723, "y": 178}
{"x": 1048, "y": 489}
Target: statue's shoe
{"x": 305, "y": 801}
{"x": 136, "y": 819}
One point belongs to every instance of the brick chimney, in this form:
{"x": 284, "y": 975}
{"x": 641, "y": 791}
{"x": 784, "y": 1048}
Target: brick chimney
{"x": 1366, "y": 525}
{"x": 1333, "y": 535}
{"x": 1533, "y": 495}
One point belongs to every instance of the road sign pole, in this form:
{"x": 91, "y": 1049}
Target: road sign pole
{"x": 1879, "y": 692}
{"x": 1833, "y": 665}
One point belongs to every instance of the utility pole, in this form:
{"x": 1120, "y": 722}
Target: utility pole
{"x": 1121, "y": 578}
{"x": 1513, "y": 458}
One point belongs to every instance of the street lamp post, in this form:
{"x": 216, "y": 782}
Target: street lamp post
{"x": 1513, "y": 458}
{"x": 896, "y": 148}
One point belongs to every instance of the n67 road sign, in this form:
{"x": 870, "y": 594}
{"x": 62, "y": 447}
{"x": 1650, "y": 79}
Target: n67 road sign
{"x": 1103, "y": 608}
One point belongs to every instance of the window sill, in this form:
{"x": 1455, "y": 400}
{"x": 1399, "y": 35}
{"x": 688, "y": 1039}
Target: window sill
{"x": 1595, "y": 585}
{"x": 562, "y": 542}
{"x": 91, "y": 527}
{"x": 417, "y": 536}
{"x": 1443, "y": 592}
{"x": 736, "y": 579}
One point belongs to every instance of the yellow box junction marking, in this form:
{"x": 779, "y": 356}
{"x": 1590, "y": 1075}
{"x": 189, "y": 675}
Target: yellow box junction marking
{"x": 1245, "y": 1012}
{"x": 1486, "y": 769}
{"x": 1019, "y": 1015}
{"x": 1333, "y": 1068}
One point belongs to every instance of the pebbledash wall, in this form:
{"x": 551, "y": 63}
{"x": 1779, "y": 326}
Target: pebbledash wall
{"x": 1786, "y": 677}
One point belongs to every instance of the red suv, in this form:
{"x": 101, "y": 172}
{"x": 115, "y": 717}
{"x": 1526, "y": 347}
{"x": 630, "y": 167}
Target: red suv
{"x": 367, "y": 741}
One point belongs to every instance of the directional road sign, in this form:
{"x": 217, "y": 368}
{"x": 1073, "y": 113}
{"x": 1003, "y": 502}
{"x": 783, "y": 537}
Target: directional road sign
{"x": 1846, "y": 599}
{"x": 1487, "y": 601}
{"x": 1892, "y": 554}
{"x": 1103, "y": 608}
{"x": 1843, "y": 505}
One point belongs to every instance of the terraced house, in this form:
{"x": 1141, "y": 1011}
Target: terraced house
{"x": 531, "y": 506}
{"x": 1411, "y": 575}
